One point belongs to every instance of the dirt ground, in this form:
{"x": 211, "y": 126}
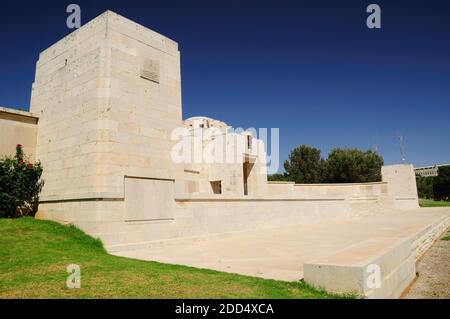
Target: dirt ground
{"x": 434, "y": 273}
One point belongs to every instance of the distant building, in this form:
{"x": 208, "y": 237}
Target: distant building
{"x": 428, "y": 171}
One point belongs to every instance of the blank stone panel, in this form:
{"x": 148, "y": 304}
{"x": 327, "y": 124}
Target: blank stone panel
{"x": 148, "y": 199}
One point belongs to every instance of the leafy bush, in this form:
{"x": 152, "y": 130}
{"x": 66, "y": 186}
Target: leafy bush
{"x": 20, "y": 185}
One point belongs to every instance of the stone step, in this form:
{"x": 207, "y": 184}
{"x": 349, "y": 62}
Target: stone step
{"x": 350, "y": 270}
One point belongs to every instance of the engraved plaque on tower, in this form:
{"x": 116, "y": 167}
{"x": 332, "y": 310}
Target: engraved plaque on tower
{"x": 150, "y": 70}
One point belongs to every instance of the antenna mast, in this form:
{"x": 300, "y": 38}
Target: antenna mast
{"x": 402, "y": 147}
{"x": 375, "y": 144}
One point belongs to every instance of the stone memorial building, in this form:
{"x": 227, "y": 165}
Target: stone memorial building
{"x": 120, "y": 162}
{"x": 105, "y": 102}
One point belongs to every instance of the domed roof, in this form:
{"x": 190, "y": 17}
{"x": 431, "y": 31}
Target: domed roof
{"x": 205, "y": 122}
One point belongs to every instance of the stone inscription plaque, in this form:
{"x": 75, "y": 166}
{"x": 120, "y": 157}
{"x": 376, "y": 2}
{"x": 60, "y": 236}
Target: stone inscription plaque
{"x": 150, "y": 70}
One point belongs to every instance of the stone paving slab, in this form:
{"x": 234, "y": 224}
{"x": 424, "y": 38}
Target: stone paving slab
{"x": 280, "y": 253}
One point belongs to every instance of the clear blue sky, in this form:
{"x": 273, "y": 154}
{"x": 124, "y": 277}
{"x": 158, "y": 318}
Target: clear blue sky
{"x": 311, "y": 68}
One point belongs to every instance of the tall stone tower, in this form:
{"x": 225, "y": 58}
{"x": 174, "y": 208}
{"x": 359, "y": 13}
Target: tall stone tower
{"x": 108, "y": 97}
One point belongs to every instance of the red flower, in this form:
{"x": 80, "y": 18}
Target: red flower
{"x": 21, "y": 161}
{"x": 30, "y": 165}
{"x": 19, "y": 145}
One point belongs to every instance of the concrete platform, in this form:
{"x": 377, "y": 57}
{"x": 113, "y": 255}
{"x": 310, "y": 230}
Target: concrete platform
{"x": 282, "y": 252}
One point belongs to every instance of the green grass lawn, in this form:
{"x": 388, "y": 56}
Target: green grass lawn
{"x": 432, "y": 203}
{"x": 34, "y": 255}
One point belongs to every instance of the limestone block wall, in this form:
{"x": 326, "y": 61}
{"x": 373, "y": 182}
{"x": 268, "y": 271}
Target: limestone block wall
{"x": 401, "y": 181}
{"x": 207, "y": 215}
{"x": 145, "y": 108}
{"x": 349, "y": 190}
{"x": 17, "y": 127}
{"x": 108, "y": 96}
{"x": 280, "y": 188}
{"x": 227, "y": 168}
{"x": 398, "y": 187}
{"x": 423, "y": 240}
{"x": 67, "y": 95}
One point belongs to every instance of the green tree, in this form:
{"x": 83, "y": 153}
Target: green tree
{"x": 351, "y": 165}
{"x": 425, "y": 187}
{"x": 305, "y": 165}
{"x": 441, "y": 184}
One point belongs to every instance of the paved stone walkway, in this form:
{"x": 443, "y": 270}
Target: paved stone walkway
{"x": 280, "y": 253}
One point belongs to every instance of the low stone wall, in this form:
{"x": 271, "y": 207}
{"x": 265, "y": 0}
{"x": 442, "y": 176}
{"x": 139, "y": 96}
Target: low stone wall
{"x": 193, "y": 216}
{"x": 149, "y": 210}
{"x": 200, "y": 215}
{"x": 425, "y": 238}
{"x": 347, "y": 190}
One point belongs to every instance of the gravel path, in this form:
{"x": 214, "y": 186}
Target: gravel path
{"x": 434, "y": 273}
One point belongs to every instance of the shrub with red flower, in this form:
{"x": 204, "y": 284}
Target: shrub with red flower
{"x": 20, "y": 185}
